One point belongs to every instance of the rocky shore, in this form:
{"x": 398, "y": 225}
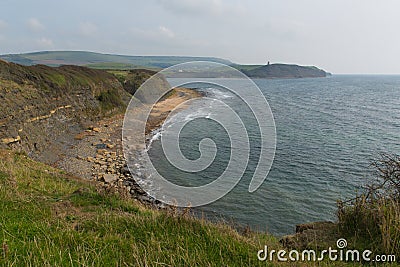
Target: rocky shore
{"x": 98, "y": 154}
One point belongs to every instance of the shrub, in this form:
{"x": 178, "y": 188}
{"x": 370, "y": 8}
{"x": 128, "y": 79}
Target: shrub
{"x": 110, "y": 99}
{"x": 372, "y": 219}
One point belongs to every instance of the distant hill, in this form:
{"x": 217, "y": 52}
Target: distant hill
{"x": 271, "y": 71}
{"x": 102, "y": 61}
{"x": 155, "y": 63}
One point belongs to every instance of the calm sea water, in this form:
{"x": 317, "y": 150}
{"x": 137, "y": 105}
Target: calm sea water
{"x": 328, "y": 132}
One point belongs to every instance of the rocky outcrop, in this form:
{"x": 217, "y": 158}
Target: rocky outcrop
{"x": 53, "y": 111}
{"x": 319, "y": 235}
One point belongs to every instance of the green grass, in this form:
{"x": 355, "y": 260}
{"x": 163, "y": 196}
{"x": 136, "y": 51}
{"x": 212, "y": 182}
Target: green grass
{"x": 110, "y": 99}
{"x": 58, "y": 79}
{"x": 50, "y": 219}
{"x": 112, "y": 66}
{"x": 370, "y": 225}
{"x": 120, "y": 74}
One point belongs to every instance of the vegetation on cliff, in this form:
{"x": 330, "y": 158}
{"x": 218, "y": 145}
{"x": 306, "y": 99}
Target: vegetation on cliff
{"x": 44, "y": 107}
{"x": 131, "y": 80}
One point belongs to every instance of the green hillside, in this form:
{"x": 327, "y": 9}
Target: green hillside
{"x": 105, "y": 61}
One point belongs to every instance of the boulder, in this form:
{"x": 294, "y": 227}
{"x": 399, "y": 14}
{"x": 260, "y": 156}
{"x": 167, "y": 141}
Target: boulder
{"x": 110, "y": 178}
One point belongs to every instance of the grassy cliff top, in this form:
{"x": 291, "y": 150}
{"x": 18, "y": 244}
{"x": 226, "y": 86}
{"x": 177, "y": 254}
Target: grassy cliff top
{"x": 51, "y": 219}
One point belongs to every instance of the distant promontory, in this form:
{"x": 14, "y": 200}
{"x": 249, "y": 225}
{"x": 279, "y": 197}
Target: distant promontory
{"x": 279, "y": 71}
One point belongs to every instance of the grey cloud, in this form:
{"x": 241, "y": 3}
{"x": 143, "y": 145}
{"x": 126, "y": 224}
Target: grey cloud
{"x": 44, "y": 43}
{"x": 35, "y": 25}
{"x": 88, "y": 29}
{"x": 3, "y": 24}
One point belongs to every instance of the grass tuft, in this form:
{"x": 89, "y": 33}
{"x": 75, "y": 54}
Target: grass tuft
{"x": 372, "y": 219}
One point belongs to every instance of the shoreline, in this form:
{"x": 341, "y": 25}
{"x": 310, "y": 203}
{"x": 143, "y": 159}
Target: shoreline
{"x": 163, "y": 108}
{"x": 98, "y": 153}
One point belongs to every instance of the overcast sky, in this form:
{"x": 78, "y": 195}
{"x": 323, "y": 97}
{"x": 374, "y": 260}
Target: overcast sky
{"x": 340, "y": 36}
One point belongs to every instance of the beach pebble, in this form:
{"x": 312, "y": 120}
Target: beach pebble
{"x": 109, "y": 178}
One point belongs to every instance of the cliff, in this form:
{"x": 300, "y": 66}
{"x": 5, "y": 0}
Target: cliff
{"x": 43, "y": 108}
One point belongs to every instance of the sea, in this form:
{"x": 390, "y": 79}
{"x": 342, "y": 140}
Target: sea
{"x": 328, "y": 131}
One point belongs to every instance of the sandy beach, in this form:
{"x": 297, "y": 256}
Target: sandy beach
{"x": 162, "y": 109}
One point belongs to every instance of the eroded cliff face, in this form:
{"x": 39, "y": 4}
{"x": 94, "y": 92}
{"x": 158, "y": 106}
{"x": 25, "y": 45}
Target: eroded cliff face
{"x": 133, "y": 79}
{"x": 43, "y": 108}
